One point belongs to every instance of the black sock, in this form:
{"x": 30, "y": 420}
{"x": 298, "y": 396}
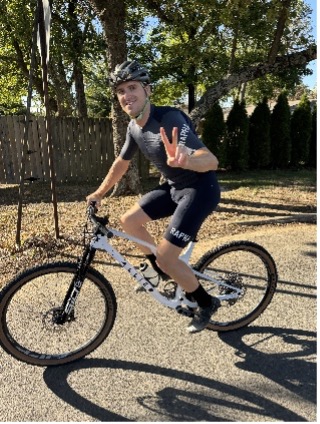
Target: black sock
{"x": 189, "y": 297}
{"x": 202, "y": 297}
{"x": 152, "y": 259}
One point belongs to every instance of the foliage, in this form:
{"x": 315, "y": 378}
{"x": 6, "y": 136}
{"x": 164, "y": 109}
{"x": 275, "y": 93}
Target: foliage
{"x": 259, "y": 136}
{"x": 301, "y": 127}
{"x": 12, "y": 108}
{"x": 15, "y": 22}
{"x": 198, "y": 42}
{"x": 98, "y": 93}
{"x": 237, "y": 154}
{"x": 74, "y": 39}
{"x": 214, "y": 131}
{"x": 189, "y": 46}
{"x": 280, "y": 133}
{"x": 76, "y": 43}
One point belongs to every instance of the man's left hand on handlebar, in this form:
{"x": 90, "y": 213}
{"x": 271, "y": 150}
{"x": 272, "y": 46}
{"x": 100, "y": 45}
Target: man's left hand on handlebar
{"x": 94, "y": 197}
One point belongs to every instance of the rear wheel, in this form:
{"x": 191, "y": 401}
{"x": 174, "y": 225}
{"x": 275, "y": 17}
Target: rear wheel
{"x": 246, "y": 277}
{"x": 30, "y": 307}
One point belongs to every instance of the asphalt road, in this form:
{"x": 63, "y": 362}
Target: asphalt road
{"x": 151, "y": 369}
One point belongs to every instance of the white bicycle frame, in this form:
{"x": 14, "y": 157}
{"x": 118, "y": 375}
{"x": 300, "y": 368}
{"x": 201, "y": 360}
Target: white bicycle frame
{"x": 101, "y": 242}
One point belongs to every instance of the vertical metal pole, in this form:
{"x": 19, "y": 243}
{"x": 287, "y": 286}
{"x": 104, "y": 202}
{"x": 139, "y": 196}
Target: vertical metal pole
{"x": 26, "y": 127}
{"x": 43, "y": 45}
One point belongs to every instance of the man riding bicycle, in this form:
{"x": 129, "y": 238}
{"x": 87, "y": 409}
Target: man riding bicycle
{"x": 166, "y": 136}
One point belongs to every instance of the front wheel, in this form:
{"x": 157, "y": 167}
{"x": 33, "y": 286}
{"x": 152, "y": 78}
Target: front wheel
{"x": 30, "y": 304}
{"x": 244, "y": 276}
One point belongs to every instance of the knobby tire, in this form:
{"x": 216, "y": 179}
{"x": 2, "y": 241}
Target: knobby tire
{"x": 27, "y": 306}
{"x": 248, "y": 265}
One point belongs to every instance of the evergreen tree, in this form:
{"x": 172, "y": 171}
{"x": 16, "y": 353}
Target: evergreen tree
{"x": 313, "y": 140}
{"x": 259, "y": 136}
{"x": 301, "y": 127}
{"x": 237, "y": 124}
{"x": 213, "y": 132}
{"x": 280, "y": 133}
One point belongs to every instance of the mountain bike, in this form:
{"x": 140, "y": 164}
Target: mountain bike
{"x": 59, "y": 312}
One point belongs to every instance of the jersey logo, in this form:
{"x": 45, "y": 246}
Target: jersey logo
{"x": 184, "y": 134}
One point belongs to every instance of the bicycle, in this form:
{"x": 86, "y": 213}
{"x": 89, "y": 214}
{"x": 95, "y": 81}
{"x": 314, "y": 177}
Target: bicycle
{"x": 60, "y": 312}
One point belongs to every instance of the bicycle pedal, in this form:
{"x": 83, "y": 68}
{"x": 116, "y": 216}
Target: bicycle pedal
{"x": 186, "y": 311}
{"x": 190, "y": 312}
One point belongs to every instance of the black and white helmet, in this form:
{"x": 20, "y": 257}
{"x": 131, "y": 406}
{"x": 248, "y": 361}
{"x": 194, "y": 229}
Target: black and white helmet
{"x": 129, "y": 71}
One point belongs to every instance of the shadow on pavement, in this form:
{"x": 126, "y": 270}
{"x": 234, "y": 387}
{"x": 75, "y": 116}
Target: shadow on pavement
{"x": 206, "y": 399}
{"x": 285, "y": 356}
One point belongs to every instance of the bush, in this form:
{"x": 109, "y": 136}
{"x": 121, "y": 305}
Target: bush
{"x": 301, "y": 126}
{"x": 259, "y": 136}
{"x": 213, "y": 132}
{"x": 280, "y": 133}
{"x": 237, "y": 137}
{"x": 312, "y": 162}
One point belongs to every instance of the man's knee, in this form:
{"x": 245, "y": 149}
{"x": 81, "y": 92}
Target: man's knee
{"x": 167, "y": 255}
{"x": 126, "y": 219}
{"x": 133, "y": 218}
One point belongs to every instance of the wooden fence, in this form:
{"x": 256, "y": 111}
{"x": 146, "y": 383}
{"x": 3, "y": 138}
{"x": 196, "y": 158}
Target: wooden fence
{"x": 83, "y": 149}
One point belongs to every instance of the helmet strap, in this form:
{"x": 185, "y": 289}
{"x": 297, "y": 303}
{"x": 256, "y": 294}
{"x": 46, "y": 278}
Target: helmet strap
{"x": 147, "y": 101}
{"x": 138, "y": 117}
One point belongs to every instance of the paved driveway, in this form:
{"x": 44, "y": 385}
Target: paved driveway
{"x": 150, "y": 369}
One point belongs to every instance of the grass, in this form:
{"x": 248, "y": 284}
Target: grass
{"x": 305, "y": 179}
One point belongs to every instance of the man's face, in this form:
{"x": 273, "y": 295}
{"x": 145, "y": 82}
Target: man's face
{"x": 132, "y": 96}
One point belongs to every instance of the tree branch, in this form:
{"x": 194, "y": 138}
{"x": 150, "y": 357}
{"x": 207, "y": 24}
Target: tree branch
{"x": 154, "y": 6}
{"x": 250, "y": 73}
{"x": 283, "y": 16}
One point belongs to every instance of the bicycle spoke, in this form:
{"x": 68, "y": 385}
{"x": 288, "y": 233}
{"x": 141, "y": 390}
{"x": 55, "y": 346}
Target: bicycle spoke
{"x": 246, "y": 280}
{"x": 32, "y": 331}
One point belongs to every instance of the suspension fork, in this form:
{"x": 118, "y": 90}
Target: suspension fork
{"x": 66, "y": 311}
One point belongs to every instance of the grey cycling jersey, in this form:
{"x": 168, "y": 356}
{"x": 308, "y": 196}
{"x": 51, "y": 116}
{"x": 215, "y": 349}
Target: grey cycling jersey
{"x": 149, "y": 141}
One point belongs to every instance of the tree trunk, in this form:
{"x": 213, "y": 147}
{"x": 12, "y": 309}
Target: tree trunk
{"x": 80, "y": 92}
{"x": 191, "y": 97}
{"x": 78, "y": 38}
{"x": 63, "y": 98}
{"x": 112, "y": 14}
{"x": 130, "y": 183}
{"x": 283, "y": 16}
{"x": 233, "y": 50}
{"x": 242, "y": 92}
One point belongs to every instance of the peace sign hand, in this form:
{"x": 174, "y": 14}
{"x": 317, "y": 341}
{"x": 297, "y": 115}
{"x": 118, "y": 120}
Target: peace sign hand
{"x": 177, "y": 154}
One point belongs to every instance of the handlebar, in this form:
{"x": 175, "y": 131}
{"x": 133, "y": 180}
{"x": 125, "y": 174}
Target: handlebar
{"x": 92, "y": 209}
{"x": 99, "y": 221}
